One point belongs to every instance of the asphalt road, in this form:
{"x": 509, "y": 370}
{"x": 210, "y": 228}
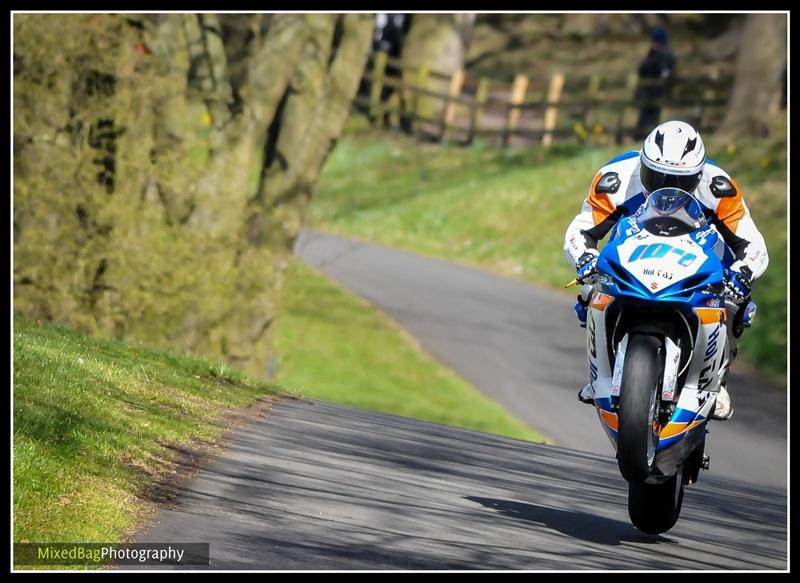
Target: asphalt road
{"x": 316, "y": 486}
{"x": 521, "y": 345}
{"x": 320, "y": 486}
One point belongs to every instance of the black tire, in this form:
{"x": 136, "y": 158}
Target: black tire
{"x": 638, "y": 406}
{"x": 655, "y": 508}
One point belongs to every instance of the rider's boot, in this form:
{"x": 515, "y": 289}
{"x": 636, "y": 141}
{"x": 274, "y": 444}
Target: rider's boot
{"x": 723, "y": 410}
{"x": 586, "y": 394}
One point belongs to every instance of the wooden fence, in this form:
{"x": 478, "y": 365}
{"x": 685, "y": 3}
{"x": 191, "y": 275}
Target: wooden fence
{"x": 457, "y": 109}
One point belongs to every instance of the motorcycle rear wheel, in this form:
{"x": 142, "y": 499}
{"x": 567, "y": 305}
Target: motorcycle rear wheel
{"x": 655, "y": 508}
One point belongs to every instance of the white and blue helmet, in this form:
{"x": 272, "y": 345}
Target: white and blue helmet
{"x": 672, "y": 155}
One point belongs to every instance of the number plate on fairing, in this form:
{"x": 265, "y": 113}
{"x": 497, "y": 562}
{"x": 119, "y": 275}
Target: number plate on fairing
{"x": 659, "y": 262}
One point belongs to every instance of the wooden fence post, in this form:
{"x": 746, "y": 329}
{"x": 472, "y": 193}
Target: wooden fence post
{"x": 456, "y": 84}
{"x": 422, "y": 82}
{"x": 551, "y": 113}
{"x": 378, "y": 74}
{"x": 518, "y": 90}
{"x": 481, "y": 94}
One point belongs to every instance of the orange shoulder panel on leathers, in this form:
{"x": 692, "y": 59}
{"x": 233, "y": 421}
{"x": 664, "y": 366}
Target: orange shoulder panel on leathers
{"x": 600, "y": 202}
{"x": 730, "y": 210}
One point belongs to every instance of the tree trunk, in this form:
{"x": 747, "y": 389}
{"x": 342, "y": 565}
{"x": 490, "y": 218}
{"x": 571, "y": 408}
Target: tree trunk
{"x": 311, "y": 120}
{"x": 760, "y": 70}
{"x": 180, "y": 236}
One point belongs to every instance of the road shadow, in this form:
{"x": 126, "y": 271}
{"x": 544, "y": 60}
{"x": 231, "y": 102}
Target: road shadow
{"x": 588, "y": 527}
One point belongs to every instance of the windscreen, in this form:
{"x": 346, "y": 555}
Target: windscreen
{"x": 671, "y": 212}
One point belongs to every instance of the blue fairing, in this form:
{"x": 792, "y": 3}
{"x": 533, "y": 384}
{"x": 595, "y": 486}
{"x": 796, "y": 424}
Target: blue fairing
{"x": 689, "y": 292}
{"x": 631, "y": 206}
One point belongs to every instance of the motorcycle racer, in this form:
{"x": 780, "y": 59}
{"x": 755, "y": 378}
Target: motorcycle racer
{"x": 672, "y": 155}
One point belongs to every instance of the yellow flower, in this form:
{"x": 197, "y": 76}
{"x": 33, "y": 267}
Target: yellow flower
{"x": 764, "y": 162}
{"x": 206, "y": 119}
{"x": 731, "y": 149}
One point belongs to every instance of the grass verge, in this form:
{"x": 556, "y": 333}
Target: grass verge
{"x": 337, "y": 347}
{"x": 508, "y": 210}
{"x": 99, "y": 424}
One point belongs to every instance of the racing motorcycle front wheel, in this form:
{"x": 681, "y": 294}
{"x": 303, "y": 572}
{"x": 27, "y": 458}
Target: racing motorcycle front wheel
{"x": 638, "y": 436}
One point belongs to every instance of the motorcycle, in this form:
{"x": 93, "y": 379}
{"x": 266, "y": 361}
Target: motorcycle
{"x": 657, "y": 349}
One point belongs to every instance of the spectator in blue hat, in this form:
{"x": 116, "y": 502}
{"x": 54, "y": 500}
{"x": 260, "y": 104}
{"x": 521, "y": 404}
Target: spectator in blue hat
{"x": 656, "y": 72}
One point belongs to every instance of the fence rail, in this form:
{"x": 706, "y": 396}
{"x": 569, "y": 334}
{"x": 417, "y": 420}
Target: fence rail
{"x": 454, "y": 108}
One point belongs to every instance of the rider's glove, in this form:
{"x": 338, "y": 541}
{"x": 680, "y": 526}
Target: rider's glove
{"x": 738, "y": 283}
{"x": 586, "y": 267}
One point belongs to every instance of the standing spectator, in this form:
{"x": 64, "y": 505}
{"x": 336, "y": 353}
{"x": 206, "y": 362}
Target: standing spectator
{"x": 656, "y": 71}
{"x": 390, "y": 30}
{"x": 389, "y": 38}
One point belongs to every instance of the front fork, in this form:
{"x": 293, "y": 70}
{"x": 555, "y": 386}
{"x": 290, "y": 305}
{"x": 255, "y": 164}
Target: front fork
{"x": 692, "y": 402}
{"x": 711, "y": 355}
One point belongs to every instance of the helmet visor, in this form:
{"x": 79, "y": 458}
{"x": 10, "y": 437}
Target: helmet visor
{"x": 652, "y": 180}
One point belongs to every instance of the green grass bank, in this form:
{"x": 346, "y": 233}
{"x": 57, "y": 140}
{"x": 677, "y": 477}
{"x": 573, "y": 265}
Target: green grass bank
{"x": 99, "y": 424}
{"x": 336, "y": 347}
